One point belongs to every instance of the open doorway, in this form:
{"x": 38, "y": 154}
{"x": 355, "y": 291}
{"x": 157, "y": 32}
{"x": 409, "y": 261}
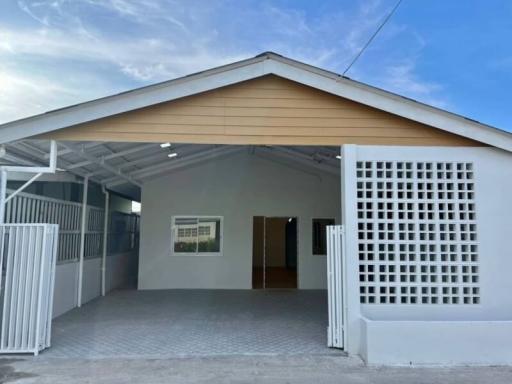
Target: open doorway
{"x": 274, "y": 252}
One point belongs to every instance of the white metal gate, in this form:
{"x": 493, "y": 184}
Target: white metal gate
{"x": 27, "y": 260}
{"x": 335, "y": 268}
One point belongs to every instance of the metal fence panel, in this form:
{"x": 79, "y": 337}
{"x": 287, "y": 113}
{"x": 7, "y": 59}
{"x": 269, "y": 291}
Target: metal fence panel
{"x": 27, "y": 260}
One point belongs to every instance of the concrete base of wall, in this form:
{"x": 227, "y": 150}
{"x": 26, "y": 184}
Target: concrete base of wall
{"x": 437, "y": 342}
{"x": 121, "y": 271}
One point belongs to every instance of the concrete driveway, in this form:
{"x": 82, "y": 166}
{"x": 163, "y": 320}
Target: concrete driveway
{"x": 309, "y": 369}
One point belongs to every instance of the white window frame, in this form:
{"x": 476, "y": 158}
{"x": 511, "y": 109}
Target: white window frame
{"x": 174, "y": 229}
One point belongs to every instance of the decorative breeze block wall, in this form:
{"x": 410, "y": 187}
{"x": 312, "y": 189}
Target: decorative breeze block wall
{"x": 417, "y": 233}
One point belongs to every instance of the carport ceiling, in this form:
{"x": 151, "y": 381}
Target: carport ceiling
{"x": 124, "y": 167}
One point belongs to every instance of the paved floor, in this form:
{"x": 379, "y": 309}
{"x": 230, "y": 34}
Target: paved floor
{"x": 299, "y": 369}
{"x": 174, "y": 323}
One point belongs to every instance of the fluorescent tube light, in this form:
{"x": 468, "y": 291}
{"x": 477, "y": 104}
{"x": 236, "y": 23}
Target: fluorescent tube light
{"x": 174, "y": 154}
{"x": 165, "y": 145}
{"x": 338, "y": 157}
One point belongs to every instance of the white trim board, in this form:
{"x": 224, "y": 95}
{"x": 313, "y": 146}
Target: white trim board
{"x": 261, "y": 65}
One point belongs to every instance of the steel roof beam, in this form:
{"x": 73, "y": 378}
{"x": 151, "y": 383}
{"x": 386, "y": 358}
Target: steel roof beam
{"x": 186, "y": 161}
{"x": 100, "y": 163}
{"x": 114, "y": 154}
{"x": 300, "y": 158}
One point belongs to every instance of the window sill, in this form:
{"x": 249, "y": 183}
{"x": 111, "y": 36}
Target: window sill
{"x": 173, "y": 254}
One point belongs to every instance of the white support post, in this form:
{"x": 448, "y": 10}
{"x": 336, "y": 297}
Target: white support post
{"x": 105, "y": 240}
{"x": 351, "y": 303}
{"x": 3, "y": 191}
{"x": 83, "y": 224}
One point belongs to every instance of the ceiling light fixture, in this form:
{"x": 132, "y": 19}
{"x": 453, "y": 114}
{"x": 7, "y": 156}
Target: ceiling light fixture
{"x": 173, "y": 154}
{"x": 338, "y": 157}
{"x": 165, "y": 145}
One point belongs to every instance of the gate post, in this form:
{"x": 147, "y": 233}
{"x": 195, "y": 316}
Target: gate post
{"x": 83, "y": 228}
{"x": 352, "y": 306}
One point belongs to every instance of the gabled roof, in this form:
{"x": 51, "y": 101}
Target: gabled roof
{"x": 261, "y": 65}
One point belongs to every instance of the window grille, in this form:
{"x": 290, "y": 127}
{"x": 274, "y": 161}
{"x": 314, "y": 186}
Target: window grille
{"x": 417, "y": 233}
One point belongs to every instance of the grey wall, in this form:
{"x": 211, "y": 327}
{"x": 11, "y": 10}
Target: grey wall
{"x": 238, "y": 188}
{"x": 121, "y": 271}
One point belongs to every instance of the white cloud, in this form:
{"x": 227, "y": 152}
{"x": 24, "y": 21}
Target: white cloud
{"x": 22, "y": 95}
{"x": 73, "y": 53}
{"x": 401, "y": 78}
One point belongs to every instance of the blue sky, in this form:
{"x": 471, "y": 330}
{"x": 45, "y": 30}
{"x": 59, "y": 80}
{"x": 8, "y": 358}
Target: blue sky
{"x": 453, "y": 54}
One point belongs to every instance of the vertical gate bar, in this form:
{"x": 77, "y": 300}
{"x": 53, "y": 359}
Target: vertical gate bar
{"x": 329, "y": 288}
{"x": 7, "y": 214}
{"x": 28, "y": 287}
{"x": 52, "y": 259}
{"x": 19, "y": 209}
{"x": 14, "y": 298}
{"x": 33, "y": 216}
{"x": 7, "y": 294}
{"x": 20, "y": 307}
{"x": 33, "y": 312}
{"x": 23, "y": 209}
{"x": 339, "y": 252}
{"x": 36, "y": 210}
{"x": 335, "y": 286}
{"x": 39, "y": 298}
{"x": 82, "y": 240}
{"x": 343, "y": 285}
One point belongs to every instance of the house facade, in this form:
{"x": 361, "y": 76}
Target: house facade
{"x": 418, "y": 271}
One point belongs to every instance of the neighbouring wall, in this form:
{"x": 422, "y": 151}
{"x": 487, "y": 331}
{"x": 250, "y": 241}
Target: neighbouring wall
{"x": 121, "y": 271}
{"x": 237, "y": 188}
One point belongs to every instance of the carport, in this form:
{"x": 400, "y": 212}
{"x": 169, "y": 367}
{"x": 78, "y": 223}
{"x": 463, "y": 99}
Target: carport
{"x": 195, "y": 233}
{"x": 217, "y": 319}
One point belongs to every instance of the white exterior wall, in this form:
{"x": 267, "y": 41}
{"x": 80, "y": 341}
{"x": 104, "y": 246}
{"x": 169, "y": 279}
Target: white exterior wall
{"x": 65, "y": 291}
{"x": 453, "y": 333}
{"x": 121, "y": 269}
{"x": 237, "y": 188}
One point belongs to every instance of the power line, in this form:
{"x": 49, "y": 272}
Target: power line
{"x": 372, "y": 37}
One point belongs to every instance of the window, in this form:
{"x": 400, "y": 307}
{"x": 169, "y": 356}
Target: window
{"x": 197, "y": 235}
{"x": 320, "y": 235}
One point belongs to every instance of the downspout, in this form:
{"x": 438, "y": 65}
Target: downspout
{"x": 105, "y": 239}
{"x": 82, "y": 241}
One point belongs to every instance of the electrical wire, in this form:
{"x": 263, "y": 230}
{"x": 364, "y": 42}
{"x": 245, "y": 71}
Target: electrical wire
{"x": 372, "y": 37}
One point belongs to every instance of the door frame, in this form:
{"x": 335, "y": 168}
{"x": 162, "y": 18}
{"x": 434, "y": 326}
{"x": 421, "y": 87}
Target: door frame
{"x": 265, "y": 246}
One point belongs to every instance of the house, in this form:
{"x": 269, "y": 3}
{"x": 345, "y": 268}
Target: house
{"x": 243, "y": 169}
